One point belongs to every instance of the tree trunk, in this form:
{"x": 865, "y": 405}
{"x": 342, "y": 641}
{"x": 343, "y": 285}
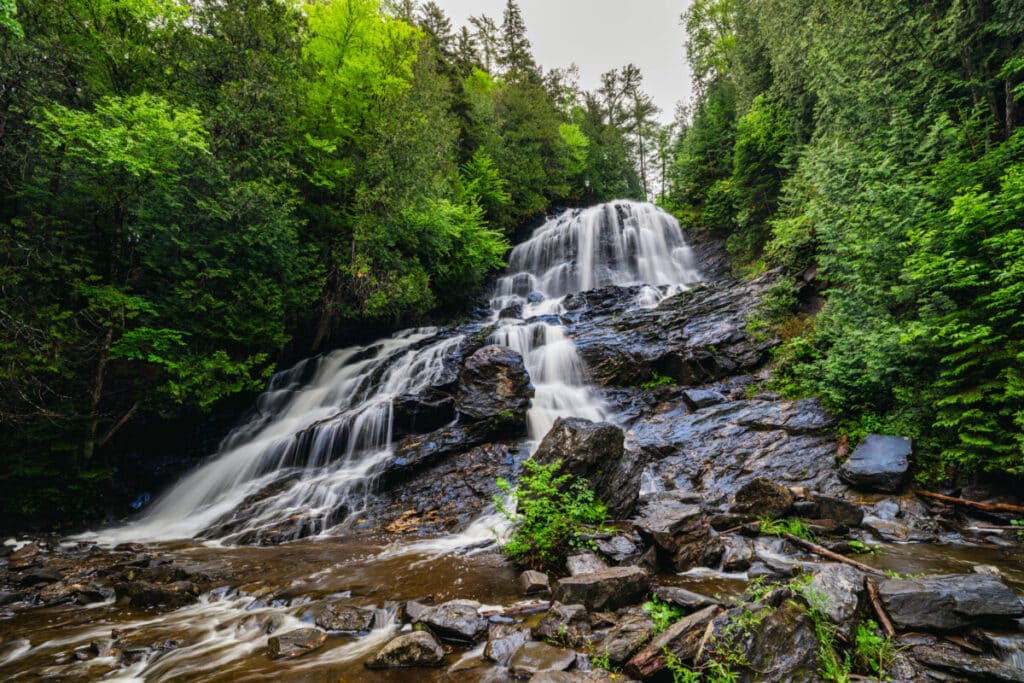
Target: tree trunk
{"x": 89, "y": 447}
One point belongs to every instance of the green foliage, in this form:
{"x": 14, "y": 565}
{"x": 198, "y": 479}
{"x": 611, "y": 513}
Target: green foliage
{"x": 657, "y": 380}
{"x": 780, "y": 527}
{"x": 550, "y": 511}
{"x": 873, "y": 651}
{"x": 663, "y": 613}
{"x": 680, "y": 672}
{"x": 603, "y": 661}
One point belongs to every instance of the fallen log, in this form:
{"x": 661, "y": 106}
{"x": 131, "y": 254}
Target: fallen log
{"x": 987, "y": 507}
{"x": 876, "y": 603}
{"x": 828, "y": 554}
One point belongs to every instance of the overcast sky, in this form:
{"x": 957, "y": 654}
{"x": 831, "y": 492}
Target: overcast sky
{"x": 599, "y": 35}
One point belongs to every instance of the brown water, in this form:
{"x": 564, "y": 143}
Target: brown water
{"x": 221, "y": 638}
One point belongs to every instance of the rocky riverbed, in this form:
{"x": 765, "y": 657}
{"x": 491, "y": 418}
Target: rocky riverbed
{"x": 411, "y": 587}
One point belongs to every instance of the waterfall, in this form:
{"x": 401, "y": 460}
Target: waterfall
{"x": 323, "y": 429}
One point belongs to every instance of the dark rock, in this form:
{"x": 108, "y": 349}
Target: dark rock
{"x": 946, "y": 658}
{"x": 762, "y": 498}
{"x": 702, "y": 398}
{"x": 879, "y": 463}
{"x": 422, "y": 413}
{"x": 341, "y": 617}
{"x": 41, "y": 575}
{"x": 28, "y": 555}
{"x": 418, "y": 648}
{"x": 565, "y": 624}
{"x": 511, "y": 311}
{"x": 577, "y": 676}
{"x": 534, "y": 658}
{"x": 618, "y": 549}
{"x": 535, "y": 297}
{"x": 266, "y": 623}
{"x": 688, "y": 600}
{"x": 415, "y": 610}
{"x": 495, "y": 386}
{"x": 595, "y": 452}
{"x": 606, "y": 589}
{"x": 682, "y": 639}
{"x": 943, "y": 603}
{"x": 626, "y": 638}
{"x": 585, "y": 562}
{"x": 843, "y": 512}
{"x": 295, "y": 643}
{"x": 170, "y": 596}
{"x": 532, "y": 582}
{"x": 456, "y": 621}
{"x": 681, "y": 531}
{"x": 8, "y": 597}
{"x": 839, "y": 589}
{"x": 503, "y": 641}
{"x": 738, "y": 555}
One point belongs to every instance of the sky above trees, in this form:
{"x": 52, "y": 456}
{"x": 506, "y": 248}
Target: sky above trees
{"x": 599, "y": 35}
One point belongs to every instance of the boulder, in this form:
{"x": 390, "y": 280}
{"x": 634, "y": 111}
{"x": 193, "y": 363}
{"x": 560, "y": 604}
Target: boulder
{"x": 841, "y": 511}
{"x": 422, "y": 413}
{"x": 534, "y": 658}
{"x": 681, "y": 531}
{"x": 879, "y": 463}
{"x": 626, "y": 638}
{"x": 577, "y": 676}
{"x": 532, "y": 582}
{"x": 40, "y": 575}
{"x": 511, "y": 311}
{"x": 418, "y": 648}
{"x": 702, "y": 398}
{"x": 456, "y": 621}
{"x": 606, "y": 589}
{"x": 944, "y": 603}
{"x": 953, "y": 660}
{"x": 503, "y": 641}
{"x": 295, "y": 643}
{"x": 585, "y": 562}
{"x": 840, "y": 588}
{"x": 565, "y": 624}
{"x": 688, "y": 600}
{"x": 619, "y": 549}
{"x": 495, "y": 387}
{"x": 682, "y": 639}
{"x": 169, "y": 596}
{"x": 762, "y": 498}
{"x": 595, "y": 451}
{"x": 341, "y": 617}
{"x": 737, "y": 555}
{"x": 28, "y": 555}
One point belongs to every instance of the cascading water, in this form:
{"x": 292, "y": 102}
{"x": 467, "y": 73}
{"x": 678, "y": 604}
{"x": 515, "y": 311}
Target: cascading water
{"x": 324, "y": 428}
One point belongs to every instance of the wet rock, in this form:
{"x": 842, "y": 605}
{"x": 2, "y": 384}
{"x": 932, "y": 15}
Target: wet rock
{"x": 953, "y": 660}
{"x": 577, "y": 676}
{"x": 503, "y": 641}
{"x": 295, "y": 643}
{"x": 737, "y": 555}
{"x": 533, "y": 582}
{"x": 841, "y": 511}
{"x": 422, "y": 413}
{"x": 511, "y": 311}
{"x": 565, "y": 624}
{"x": 619, "y": 549}
{"x": 534, "y": 658}
{"x": 584, "y": 562}
{"x": 943, "y": 603}
{"x": 682, "y": 639}
{"x": 840, "y": 588}
{"x": 688, "y": 600}
{"x": 681, "y": 531}
{"x": 702, "y": 398}
{"x": 626, "y": 638}
{"x": 879, "y": 463}
{"x": 342, "y": 617}
{"x": 169, "y": 596}
{"x": 414, "y": 610}
{"x": 456, "y": 621}
{"x": 266, "y": 623}
{"x": 595, "y": 452}
{"x": 495, "y": 386}
{"x": 28, "y": 555}
{"x": 8, "y": 597}
{"x": 418, "y": 648}
{"x": 762, "y": 498}
{"x": 41, "y": 575}
{"x": 606, "y": 589}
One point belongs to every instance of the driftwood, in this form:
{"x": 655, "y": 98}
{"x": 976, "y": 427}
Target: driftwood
{"x": 519, "y": 609}
{"x": 987, "y": 507}
{"x": 835, "y": 557}
{"x": 876, "y": 602}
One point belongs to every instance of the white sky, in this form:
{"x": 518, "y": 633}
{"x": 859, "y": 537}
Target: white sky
{"x": 599, "y": 35}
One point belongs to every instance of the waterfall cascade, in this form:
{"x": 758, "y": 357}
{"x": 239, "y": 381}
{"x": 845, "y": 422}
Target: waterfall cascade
{"x": 323, "y": 429}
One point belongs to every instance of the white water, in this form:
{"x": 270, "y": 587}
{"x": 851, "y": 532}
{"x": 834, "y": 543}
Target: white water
{"x": 324, "y": 428}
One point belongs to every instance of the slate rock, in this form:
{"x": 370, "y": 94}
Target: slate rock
{"x": 342, "y": 617}
{"x": 948, "y": 602}
{"x": 534, "y": 658}
{"x": 494, "y": 385}
{"x": 415, "y": 649}
{"x": 585, "y": 562}
{"x": 295, "y": 643}
{"x": 680, "y": 530}
{"x": 503, "y": 641}
{"x": 456, "y": 621}
{"x": 879, "y": 463}
{"x": 564, "y": 624}
{"x": 762, "y": 497}
{"x": 533, "y": 582}
{"x": 606, "y": 589}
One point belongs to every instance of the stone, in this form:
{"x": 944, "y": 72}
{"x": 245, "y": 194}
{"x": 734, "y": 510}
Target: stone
{"x": 585, "y": 562}
{"x": 503, "y": 641}
{"x": 681, "y": 531}
{"x": 41, "y": 575}
{"x": 618, "y": 549}
{"x": 577, "y": 676}
{"x": 495, "y": 386}
{"x": 879, "y": 463}
{"x": 511, "y": 311}
{"x": 415, "y": 649}
{"x": 295, "y": 643}
{"x": 606, "y": 589}
{"x": 533, "y": 582}
{"x": 414, "y": 610}
{"x": 763, "y": 498}
{"x": 169, "y": 596}
{"x": 565, "y": 624}
{"x": 688, "y": 600}
{"x": 702, "y": 398}
{"x": 534, "y": 658}
{"x": 738, "y": 555}
{"x": 28, "y": 555}
{"x": 843, "y": 512}
{"x": 456, "y": 621}
{"x": 841, "y": 589}
{"x": 682, "y": 639}
{"x": 953, "y": 660}
{"x": 626, "y": 638}
{"x": 422, "y": 413}
{"x": 948, "y": 602}
{"x": 341, "y": 617}
{"x": 595, "y": 451}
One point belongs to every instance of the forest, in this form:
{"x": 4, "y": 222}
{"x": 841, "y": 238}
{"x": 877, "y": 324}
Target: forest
{"x": 194, "y": 193}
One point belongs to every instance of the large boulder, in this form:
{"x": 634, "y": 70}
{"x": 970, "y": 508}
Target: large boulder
{"x": 565, "y": 624}
{"x": 606, "y": 589}
{"x": 681, "y": 531}
{"x": 682, "y": 639}
{"x": 585, "y": 562}
{"x": 944, "y": 603}
{"x": 879, "y": 463}
{"x": 533, "y": 582}
{"x": 341, "y": 617}
{"x": 628, "y": 636}
{"x": 168, "y": 596}
{"x": 503, "y": 641}
{"x": 295, "y": 643}
{"x": 494, "y": 386}
{"x": 422, "y": 413}
{"x": 839, "y": 589}
{"x": 535, "y": 658}
{"x": 762, "y": 498}
{"x": 418, "y": 648}
{"x": 456, "y": 621}
{"x": 595, "y": 452}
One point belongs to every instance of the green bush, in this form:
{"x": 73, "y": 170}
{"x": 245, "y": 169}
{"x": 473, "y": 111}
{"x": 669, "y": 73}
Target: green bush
{"x": 550, "y": 512}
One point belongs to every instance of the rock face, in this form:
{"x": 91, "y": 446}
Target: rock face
{"x": 595, "y": 452}
{"x": 944, "y": 603}
{"x": 680, "y": 531}
{"x": 607, "y": 589}
{"x": 418, "y": 648}
{"x": 761, "y": 497}
{"x": 628, "y": 636}
{"x": 879, "y": 463}
{"x": 494, "y": 385}
{"x": 840, "y": 588}
{"x": 295, "y": 643}
{"x": 457, "y": 621}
